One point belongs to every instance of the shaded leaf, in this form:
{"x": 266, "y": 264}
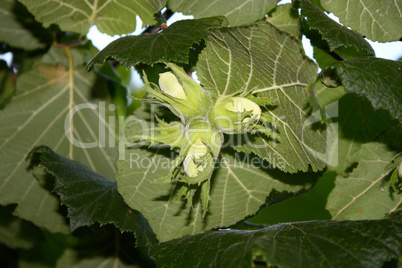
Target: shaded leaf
{"x": 234, "y": 193}
{"x": 19, "y": 29}
{"x": 378, "y": 20}
{"x": 311, "y": 244}
{"x": 338, "y": 37}
{"x": 286, "y": 18}
{"x": 16, "y": 233}
{"x": 7, "y": 88}
{"x": 379, "y": 80}
{"x": 110, "y": 17}
{"x": 172, "y": 44}
{"x": 270, "y": 64}
{"x": 89, "y": 197}
{"x": 367, "y": 192}
{"x": 238, "y": 12}
{"x": 39, "y": 114}
{"x": 103, "y": 247}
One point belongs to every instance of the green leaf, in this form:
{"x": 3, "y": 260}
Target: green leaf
{"x": 172, "y": 44}
{"x": 359, "y": 123}
{"x": 286, "y": 18}
{"x": 377, "y": 20}
{"x": 103, "y": 247}
{"x": 39, "y": 114}
{"x": 7, "y": 88}
{"x": 311, "y": 244}
{"x": 367, "y": 192}
{"x": 89, "y": 197}
{"x": 19, "y": 28}
{"x": 271, "y": 64}
{"x": 338, "y": 37}
{"x": 16, "y": 233}
{"x": 110, "y": 17}
{"x": 326, "y": 95}
{"x": 238, "y": 12}
{"x": 379, "y": 80}
{"x": 234, "y": 193}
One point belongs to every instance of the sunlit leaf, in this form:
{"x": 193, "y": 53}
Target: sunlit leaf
{"x": 270, "y": 64}
{"x": 111, "y": 17}
{"x": 238, "y": 12}
{"x": 377, "y": 20}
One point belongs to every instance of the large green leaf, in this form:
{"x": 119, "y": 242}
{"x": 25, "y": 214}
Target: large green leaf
{"x": 172, "y": 44}
{"x": 303, "y": 244}
{"x": 286, "y": 18}
{"x": 366, "y": 193}
{"x": 89, "y": 197}
{"x": 336, "y": 35}
{"x": 19, "y": 29}
{"x": 271, "y": 64}
{"x": 234, "y": 193}
{"x": 379, "y": 80}
{"x": 39, "y": 114}
{"x": 378, "y": 20}
{"x": 111, "y": 17}
{"x": 238, "y": 12}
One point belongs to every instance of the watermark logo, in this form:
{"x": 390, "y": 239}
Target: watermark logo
{"x": 104, "y": 135}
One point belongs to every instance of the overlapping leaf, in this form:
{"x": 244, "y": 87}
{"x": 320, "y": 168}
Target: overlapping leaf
{"x": 234, "y": 193}
{"x": 310, "y": 244}
{"x": 111, "y": 17}
{"x": 238, "y": 12}
{"x": 19, "y": 29}
{"x": 90, "y": 198}
{"x": 379, "y": 80}
{"x": 270, "y": 63}
{"x": 172, "y": 44}
{"x": 336, "y": 35}
{"x": 378, "y": 20}
{"x": 286, "y": 18}
{"x": 366, "y": 193}
{"x": 16, "y": 233}
{"x": 38, "y": 114}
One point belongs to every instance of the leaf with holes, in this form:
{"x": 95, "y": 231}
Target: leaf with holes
{"x": 312, "y": 244}
{"x": 238, "y": 12}
{"x": 378, "y": 20}
{"x": 39, "y": 114}
{"x": 366, "y": 193}
{"x": 270, "y": 64}
{"x": 110, "y": 17}
{"x": 234, "y": 193}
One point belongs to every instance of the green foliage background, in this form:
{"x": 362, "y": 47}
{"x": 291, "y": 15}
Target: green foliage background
{"x": 66, "y": 206}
